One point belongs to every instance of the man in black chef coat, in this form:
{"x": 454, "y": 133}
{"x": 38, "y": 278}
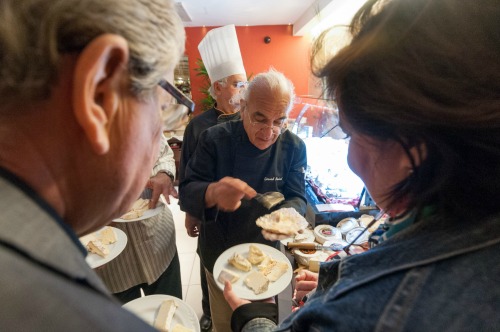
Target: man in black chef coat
{"x": 232, "y": 162}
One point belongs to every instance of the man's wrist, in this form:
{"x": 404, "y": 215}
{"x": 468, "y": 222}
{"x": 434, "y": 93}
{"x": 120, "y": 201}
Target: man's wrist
{"x": 170, "y": 175}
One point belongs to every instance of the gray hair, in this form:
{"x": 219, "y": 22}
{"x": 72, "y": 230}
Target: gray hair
{"x": 35, "y": 33}
{"x": 275, "y": 84}
{"x": 222, "y": 81}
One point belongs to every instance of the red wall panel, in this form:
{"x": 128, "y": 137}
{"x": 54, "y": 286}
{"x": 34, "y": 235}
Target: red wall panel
{"x": 285, "y": 53}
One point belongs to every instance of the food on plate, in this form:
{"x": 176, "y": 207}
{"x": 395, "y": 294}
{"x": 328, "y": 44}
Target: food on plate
{"x": 165, "y": 314}
{"x": 255, "y": 255}
{"x": 108, "y": 236}
{"x": 97, "y": 242}
{"x": 181, "y": 328}
{"x": 307, "y": 235}
{"x": 265, "y": 262}
{"x": 95, "y": 246}
{"x": 257, "y": 282}
{"x": 227, "y": 275}
{"x": 240, "y": 262}
{"x": 274, "y": 270}
{"x": 285, "y": 221}
{"x": 138, "y": 208}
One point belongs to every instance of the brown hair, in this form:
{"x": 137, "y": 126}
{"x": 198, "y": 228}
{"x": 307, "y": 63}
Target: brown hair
{"x": 428, "y": 72}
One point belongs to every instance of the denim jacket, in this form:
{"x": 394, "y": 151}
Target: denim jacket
{"x": 436, "y": 275}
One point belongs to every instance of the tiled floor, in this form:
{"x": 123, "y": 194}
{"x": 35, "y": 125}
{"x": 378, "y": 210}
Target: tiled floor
{"x": 189, "y": 260}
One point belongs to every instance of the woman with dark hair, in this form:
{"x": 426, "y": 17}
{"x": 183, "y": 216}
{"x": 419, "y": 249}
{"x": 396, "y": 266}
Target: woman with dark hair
{"x": 418, "y": 90}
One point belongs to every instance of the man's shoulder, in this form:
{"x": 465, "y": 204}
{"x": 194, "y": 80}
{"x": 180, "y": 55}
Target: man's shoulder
{"x": 225, "y": 129}
{"x": 290, "y": 138}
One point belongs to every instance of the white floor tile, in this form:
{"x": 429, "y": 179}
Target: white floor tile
{"x": 186, "y": 260}
{"x": 193, "y": 298}
{"x": 195, "y": 273}
{"x": 189, "y": 260}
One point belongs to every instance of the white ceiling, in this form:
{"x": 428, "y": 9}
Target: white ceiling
{"x": 244, "y": 12}
{"x": 305, "y": 15}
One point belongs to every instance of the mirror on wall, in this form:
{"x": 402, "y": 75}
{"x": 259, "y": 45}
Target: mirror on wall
{"x": 181, "y": 76}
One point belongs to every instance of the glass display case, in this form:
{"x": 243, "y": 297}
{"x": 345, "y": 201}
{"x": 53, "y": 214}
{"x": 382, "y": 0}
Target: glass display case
{"x": 333, "y": 191}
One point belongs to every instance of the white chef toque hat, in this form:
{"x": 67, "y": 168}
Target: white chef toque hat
{"x": 220, "y": 53}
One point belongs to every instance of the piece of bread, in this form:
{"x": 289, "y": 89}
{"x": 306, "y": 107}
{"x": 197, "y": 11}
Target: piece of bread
{"x": 255, "y": 255}
{"x": 257, "y": 282}
{"x": 107, "y": 235}
{"x": 227, "y": 275}
{"x": 165, "y": 315}
{"x": 285, "y": 221}
{"x": 240, "y": 262}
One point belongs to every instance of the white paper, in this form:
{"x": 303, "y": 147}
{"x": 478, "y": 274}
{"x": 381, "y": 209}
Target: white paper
{"x": 334, "y": 207}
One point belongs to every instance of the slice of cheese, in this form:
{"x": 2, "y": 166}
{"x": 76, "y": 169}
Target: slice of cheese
{"x": 275, "y": 270}
{"x": 240, "y": 262}
{"x": 265, "y": 262}
{"x": 108, "y": 235}
{"x": 97, "y": 247}
{"x": 257, "y": 282}
{"x": 227, "y": 275}
{"x": 165, "y": 315}
{"x": 255, "y": 255}
{"x": 181, "y": 328}
{"x": 138, "y": 208}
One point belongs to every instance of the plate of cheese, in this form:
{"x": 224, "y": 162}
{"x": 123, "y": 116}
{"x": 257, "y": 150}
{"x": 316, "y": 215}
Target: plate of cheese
{"x": 165, "y": 312}
{"x": 140, "y": 210}
{"x": 103, "y": 245}
{"x": 256, "y": 271}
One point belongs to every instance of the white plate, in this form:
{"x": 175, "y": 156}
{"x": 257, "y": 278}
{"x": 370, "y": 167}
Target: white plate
{"x": 147, "y": 214}
{"x": 353, "y": 233}
{"x": 239, "y": 286}
{"x": 115, "y": 249}
{"x": 147, "y": 308}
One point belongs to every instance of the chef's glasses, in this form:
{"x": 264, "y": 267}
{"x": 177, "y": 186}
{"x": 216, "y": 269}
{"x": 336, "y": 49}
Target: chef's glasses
{"x": 177, "y": 94}
{"x": 275, "y": 128}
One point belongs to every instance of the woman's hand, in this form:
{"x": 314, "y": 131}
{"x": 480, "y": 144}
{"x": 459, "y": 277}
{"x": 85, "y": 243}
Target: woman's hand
{"x": 234, "y": 301}
{"x": 305, "y": 282}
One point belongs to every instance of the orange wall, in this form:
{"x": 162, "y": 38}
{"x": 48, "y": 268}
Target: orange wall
{"x": 285, "y": 53}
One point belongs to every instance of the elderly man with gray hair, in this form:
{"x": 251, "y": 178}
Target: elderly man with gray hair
{"x": 232, "y": 162}
{"x": 80, "y": 102}
{"x": 221, "y": 56}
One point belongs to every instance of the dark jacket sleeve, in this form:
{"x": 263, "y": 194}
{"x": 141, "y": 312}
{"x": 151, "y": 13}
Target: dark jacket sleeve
{"x": 255, "y": 316}
{"x": 199, "y": 173}
{"x": 294, "y": 189}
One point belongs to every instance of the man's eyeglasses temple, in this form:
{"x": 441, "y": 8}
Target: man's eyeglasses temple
{"x": 178, "y": 95}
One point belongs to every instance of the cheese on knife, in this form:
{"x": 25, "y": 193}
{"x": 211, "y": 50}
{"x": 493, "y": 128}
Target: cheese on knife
{"x": 165, "y": 314}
